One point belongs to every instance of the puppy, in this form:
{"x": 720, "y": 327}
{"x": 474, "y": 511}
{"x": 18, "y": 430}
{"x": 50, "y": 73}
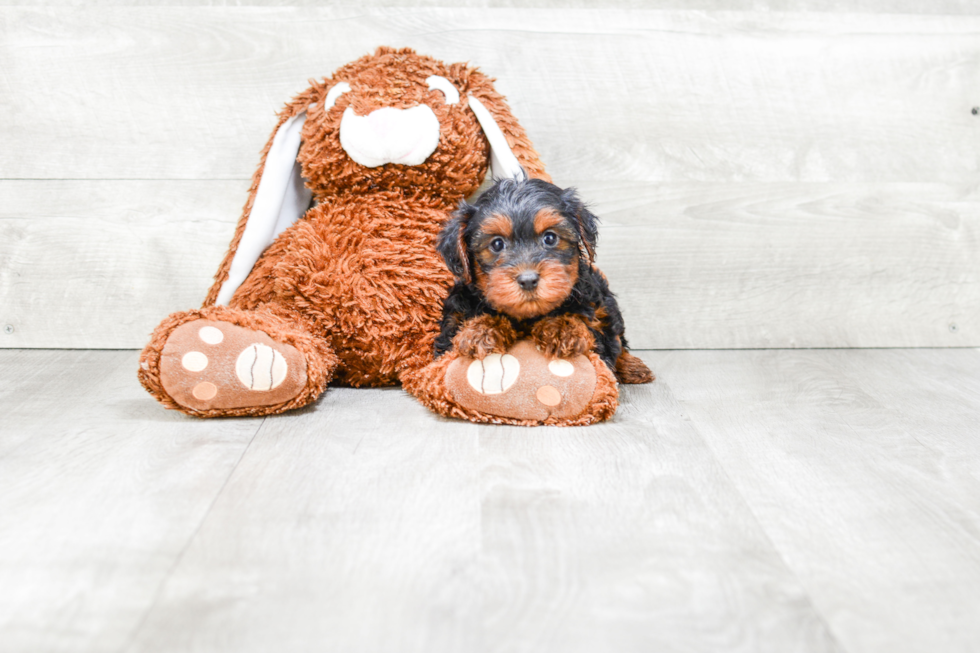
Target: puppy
{"x": 523, "y": 261}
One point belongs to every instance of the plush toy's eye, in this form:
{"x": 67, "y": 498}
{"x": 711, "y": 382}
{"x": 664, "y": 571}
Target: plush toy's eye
{"x": 437, "y": 83}
{"x": 497, "y": 245}
{"x": 550, "y": 238}
{"x": 335, "y": 92}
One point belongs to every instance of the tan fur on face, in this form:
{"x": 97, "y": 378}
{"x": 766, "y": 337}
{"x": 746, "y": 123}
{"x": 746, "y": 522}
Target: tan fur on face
{"x": 547, "y": 219}
{"x": 498, "y": 225}
{"x": 502, "y": 291}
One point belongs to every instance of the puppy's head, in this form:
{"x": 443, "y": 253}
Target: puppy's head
{"x": 521, "y": 244}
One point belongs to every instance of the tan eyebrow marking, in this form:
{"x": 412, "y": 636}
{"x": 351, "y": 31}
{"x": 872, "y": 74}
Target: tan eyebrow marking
{"x": 546, "y": 219}
{"x": 498, "y": 224}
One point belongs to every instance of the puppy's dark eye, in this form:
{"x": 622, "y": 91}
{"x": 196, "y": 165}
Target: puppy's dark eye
{"x": 497, "y": 245}
{"x": 550, "y": 238}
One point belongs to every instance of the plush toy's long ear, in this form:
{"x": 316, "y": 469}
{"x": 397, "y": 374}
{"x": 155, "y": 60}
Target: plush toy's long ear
{"x": 510, "y": 148}
{"x": 280, "y": 200}
{"x": 279, "y": 197}
{"x": 503, "y": 163}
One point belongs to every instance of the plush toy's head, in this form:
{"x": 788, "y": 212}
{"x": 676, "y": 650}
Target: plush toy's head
{"x": 398, "y": 119}
{"x": 521, "y": 244}
{"x": 390, "y": 120}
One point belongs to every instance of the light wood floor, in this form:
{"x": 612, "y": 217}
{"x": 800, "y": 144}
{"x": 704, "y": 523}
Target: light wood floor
{"x": 768, "y": 500}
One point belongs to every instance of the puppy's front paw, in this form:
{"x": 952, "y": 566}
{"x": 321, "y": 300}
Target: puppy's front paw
{"x": 562, "y": 337}
{"x": 485, "y": 335}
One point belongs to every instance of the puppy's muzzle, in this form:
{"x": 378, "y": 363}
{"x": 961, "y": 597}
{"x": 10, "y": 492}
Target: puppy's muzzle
{"x": 389, "y": 135}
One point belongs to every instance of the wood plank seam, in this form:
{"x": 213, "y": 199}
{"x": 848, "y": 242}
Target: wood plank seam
{"x": 176, "y": 562}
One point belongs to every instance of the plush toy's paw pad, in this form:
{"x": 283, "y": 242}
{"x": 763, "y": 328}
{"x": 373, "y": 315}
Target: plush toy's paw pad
{"x": 208, "y": 365}
{"x": 523, "y": 384}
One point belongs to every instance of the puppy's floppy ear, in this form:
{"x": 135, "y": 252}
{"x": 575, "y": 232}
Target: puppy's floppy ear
{"x": 452, "y": 242}
{"x": 585, "y": 221}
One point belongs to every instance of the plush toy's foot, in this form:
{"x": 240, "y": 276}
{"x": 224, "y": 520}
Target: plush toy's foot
{"x": 211, "y": 365}
{"x": 522, "y": 387}
{"x": 220, "y": 361}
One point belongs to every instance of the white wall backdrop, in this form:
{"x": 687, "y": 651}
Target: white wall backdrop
{"x": 804, "y": 177}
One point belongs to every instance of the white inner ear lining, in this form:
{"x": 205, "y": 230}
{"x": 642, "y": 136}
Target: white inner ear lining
{"x": 280, "y": 200}
{"x": 335, "y": 92}
{"x": 437, "y": 83}
{"x": 503, "y": 163}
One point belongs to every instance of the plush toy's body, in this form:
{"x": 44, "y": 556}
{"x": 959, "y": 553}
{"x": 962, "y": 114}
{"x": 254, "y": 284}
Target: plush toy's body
{"x": 351, "y": 288}
{"x": 333, "y": 272}
{"x": 359, "y": 269}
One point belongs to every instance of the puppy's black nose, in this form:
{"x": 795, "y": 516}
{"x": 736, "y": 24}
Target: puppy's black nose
{"x": 528, "y": 280}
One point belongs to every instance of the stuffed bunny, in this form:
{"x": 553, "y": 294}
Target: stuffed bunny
{"x": 332, "y": 273}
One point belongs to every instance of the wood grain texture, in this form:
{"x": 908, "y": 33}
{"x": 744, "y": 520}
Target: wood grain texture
{"x": 99, "y": 264}
{"x": 341, "y": 528}
{"x": 190, "y": 92}
{"x": 100, "y": 491}
{"x": 793, "y": 265}
{"x": 954, "y": 7}
{"x": 627, "y": 536}
{"x": 866, "y": 489}
{"x": 768, "y": 179}
{"x": 353, "y": 524}
{"x": 746, "y": 501}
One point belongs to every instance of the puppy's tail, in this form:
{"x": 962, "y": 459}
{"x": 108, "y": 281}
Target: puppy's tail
{"x": 630, "y": 369}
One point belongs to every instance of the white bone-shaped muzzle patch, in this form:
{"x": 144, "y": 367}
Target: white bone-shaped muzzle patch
{"x": 389, "y": 135}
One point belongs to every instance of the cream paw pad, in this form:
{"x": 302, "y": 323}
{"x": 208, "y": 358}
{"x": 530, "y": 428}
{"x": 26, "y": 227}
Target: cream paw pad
{"x": 523, "y": 384}
{"x": 208, "y": 364}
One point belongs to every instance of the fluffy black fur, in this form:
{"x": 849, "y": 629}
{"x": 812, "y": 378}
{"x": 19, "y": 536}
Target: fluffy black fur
{"x": 521, "y": 200}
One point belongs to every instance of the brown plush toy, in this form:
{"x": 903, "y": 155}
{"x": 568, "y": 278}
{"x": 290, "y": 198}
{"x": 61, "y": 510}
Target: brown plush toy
{"x": 332, "y": 273}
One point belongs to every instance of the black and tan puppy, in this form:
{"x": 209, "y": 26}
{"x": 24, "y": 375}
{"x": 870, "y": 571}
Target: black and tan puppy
{"x": 523, "y": 261}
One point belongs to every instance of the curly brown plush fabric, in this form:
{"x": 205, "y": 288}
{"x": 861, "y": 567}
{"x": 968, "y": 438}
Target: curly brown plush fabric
{"x": 276, "y": 321}
{"x": 395, "y": 77}
{"x": 356, "y": 285}
{"x": 352, "y": 292}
